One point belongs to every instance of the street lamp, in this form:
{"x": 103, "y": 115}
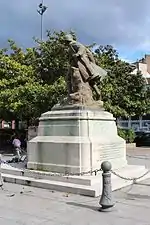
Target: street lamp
{"x": 41, "y": 11}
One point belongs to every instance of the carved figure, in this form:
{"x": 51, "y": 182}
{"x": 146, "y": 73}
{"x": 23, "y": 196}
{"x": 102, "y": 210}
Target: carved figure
{"x": 83, "y": 74}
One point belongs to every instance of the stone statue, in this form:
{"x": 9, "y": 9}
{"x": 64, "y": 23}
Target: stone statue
{"x": 83, "y": 74}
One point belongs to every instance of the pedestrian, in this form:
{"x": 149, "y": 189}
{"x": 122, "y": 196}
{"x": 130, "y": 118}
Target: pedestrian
{"x": 17, "y": 146}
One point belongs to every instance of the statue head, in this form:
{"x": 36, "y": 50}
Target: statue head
{"x": 69, "y": 38}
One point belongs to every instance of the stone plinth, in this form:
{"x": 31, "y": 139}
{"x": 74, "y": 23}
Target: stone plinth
{"x": 76, "y": 140}
{"x": 83, "y": 185}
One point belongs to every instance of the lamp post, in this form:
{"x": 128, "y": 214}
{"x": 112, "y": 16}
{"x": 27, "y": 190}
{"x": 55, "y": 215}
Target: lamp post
{"x": 41, "y": 11}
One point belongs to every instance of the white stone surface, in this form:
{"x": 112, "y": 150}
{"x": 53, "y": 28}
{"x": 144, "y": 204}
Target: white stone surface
{"x": 76, "y": 141}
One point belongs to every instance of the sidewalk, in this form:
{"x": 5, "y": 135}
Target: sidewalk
{"x": 24, "y": 205}
{"x": 32, "y": 206}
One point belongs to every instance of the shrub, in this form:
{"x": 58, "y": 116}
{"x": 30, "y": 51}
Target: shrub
{"x": 127, "y": 134}
{"x": 130, "y": 136}
{"x": 122, "y": 133}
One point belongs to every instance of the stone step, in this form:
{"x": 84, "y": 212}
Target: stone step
{"x": 127, "y": 171}
{"x": 83, "y": 185}
{"x": 52, "y": 185}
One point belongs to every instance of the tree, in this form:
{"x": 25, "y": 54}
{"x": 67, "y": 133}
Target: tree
{"x": 32, "y": 81}
{"x": 39, "y": 80}
{"x": 123, "y": 92}
{"x": 22, "y": 95}
{"x": 49, "y": 58}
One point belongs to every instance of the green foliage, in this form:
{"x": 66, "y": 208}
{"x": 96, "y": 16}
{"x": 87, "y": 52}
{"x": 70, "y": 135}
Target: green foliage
{"x": 123, "y": 92}
{"x": 51, "y": 58}
{"x": 122, "y": 133}
{"x": 130, "y": 135}
{"x": 106, "y": 56}
{"x": 127, "y": 134}
{"x": 32, "y": 81}
{"x": 48, "y": 59}
{"x": 23, "y": 96}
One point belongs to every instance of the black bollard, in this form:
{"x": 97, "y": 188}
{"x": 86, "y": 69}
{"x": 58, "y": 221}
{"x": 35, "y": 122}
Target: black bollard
{"x": 106, "y": 200}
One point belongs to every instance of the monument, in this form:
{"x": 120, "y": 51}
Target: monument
{"x": 78, "y": 134}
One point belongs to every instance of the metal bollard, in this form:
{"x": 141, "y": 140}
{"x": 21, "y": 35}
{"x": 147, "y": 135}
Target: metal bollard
{"x": 106, "y": 200}
{"x": 1, "y": 179}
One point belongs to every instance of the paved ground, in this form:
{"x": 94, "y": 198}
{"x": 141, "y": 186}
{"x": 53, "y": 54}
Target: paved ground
{"x": 31, "y": 206}
{"x": 138, "y": 156}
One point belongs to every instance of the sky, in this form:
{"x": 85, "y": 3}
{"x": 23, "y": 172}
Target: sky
{"x": 125, "y": 24}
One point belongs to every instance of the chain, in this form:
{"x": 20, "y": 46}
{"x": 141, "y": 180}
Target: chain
{"x": 84, "y": 173}
{"x": 130, "y": 178}
{"x": 23, "y": 170}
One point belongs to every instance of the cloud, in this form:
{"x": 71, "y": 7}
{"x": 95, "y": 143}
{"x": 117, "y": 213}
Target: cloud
{"x": 122, "y": 23}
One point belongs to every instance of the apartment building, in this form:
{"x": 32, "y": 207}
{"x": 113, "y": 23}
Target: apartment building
{"x": 143, "y": 65}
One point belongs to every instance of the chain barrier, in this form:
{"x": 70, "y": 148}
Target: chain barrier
{"x": 78, "y": 174}
{"x": 23, "y": 170}
{"x": 95, "y": 171}
{"x": 134, "y": 179}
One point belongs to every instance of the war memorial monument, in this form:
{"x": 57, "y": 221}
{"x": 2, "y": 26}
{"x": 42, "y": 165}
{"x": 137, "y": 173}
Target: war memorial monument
{"x": 77, "y": 135}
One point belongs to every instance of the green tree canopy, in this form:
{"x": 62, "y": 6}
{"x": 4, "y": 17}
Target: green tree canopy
{"x": 22, "y": 95}
{"x": 32, "y": 81}
{"x": 122, "y": 91}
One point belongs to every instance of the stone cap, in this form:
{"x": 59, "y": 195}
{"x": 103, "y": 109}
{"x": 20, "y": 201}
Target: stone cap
{"x": 77, "y": 113}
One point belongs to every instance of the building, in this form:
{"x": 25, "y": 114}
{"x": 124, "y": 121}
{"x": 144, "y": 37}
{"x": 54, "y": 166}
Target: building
{"x": 143, "y": 65}
{"x": 135, "y": 122}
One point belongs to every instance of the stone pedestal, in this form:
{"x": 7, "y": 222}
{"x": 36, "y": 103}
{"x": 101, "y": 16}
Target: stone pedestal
{"x": 74, "y": 140}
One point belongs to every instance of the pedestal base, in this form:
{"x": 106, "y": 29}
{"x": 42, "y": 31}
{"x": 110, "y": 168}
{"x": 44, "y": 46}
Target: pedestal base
{"x": 82, "y": 185}
{"x": 76, "y": 140}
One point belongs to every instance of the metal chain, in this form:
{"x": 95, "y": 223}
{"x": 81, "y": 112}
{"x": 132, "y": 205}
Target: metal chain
{"x": 23, "y": 170}
{"x": 130, "y": 178}
{"x": 54, "y": 174}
